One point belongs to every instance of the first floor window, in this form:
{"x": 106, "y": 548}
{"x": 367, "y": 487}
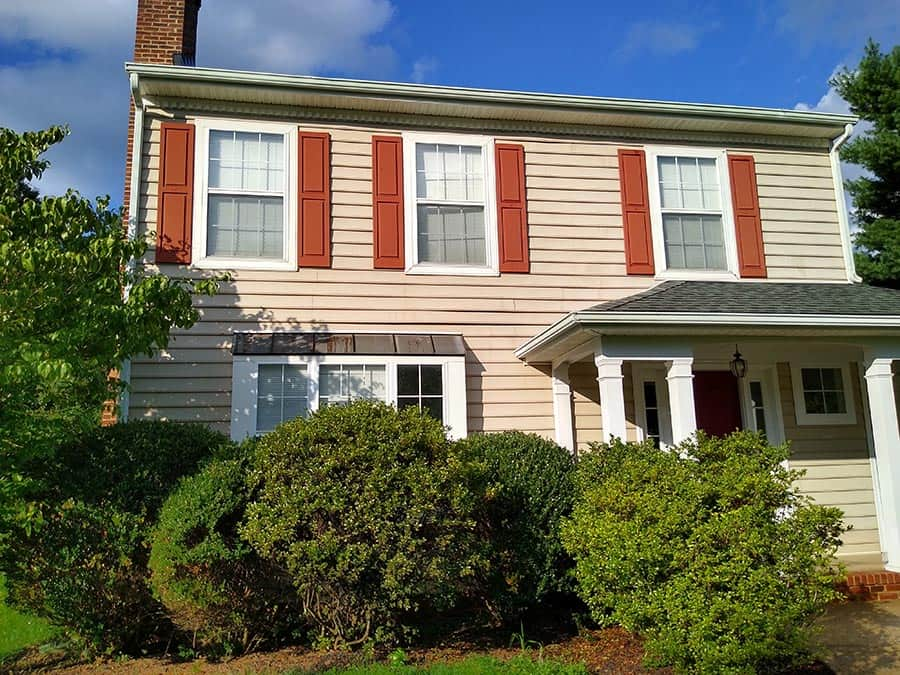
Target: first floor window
{"x": 421, "y": 386}
{"x": 651, "y": 409}
{"x": 823, "y": 391}
{"x": 282, "y": 394}
{"x": 757, "y": 406}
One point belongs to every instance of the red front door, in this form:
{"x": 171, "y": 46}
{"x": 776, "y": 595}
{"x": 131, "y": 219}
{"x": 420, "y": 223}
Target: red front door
{"x": 716, "y": 402}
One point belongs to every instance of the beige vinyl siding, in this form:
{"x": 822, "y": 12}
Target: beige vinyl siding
{"x": 838, "y": 471}
{"x": 577, "y": 255}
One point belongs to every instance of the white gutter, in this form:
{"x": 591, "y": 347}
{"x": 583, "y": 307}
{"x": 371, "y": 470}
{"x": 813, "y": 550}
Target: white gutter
{"x": 131, "y": 226}
{"x": 518, "y": 99}
{"x": 597, "y": 319}
{"x": 843, "y": 217}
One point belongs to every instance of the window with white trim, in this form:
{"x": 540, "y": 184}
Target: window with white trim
{"x": 268, "y": 390}
{"x": 651, "y": 413}
{"x": 450, "y": 219}
{"x": 757, "y": 407}
{"x": 243, "y": 214}
{"x": 690, "y": 202}
{"x": 823, "y": 394}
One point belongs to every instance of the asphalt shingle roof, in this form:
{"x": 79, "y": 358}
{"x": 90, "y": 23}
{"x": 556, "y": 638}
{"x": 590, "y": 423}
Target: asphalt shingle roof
{"x": 752, "y": 297}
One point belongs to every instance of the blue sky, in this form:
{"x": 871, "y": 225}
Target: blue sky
{"x": 61, "y": 62}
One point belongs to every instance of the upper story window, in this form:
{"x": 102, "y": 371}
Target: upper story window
{"x": 693, "y": 231}
{"x": 243, "y": 207}
{"x": 449, "y": 194}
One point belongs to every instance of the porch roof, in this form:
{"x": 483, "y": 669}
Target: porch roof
{"x": 726, "y": 308}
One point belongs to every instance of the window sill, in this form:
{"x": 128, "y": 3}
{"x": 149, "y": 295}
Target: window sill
{"x": 695, "y": 275}
{"x": 245, "y": 264}
{"x": 453, "y": 270}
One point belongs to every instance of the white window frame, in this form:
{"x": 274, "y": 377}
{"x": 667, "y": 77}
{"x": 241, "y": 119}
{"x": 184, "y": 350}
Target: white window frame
{"x": 644, "y": 372}
{"x": 767, "y": 376}
{"x": 659, "y": 246}
{"x": 201, "y": 195}
{"x": 808, "y": 419}
{"x": 245, "y": 373}
{"x": 492, "y": 256}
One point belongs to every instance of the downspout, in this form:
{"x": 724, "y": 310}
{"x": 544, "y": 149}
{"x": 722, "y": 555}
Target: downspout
{"x": 131, "y": 227}
{"x": 843, "y": 219}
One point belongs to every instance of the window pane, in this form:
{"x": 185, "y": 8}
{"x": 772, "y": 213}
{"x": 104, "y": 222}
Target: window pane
{"x": 431, "y": 380}
{"x": 694, "y": 241}
{"x": 407, "y": 402}
{"x": 449, "y": 172}
{"x": 435, "y": 406}
{"x": 451, "y": 234}
{"x": 760, "y": 416}
{"x": 269, "y": 379}
{"x": 652, "y": 423}
{"x": 756, "y": 394}
{"x": 330, "y": 380}
{"x": 692, "y": 229}
{"x": 268, "y": 414}
{"x": 408, "y": 380}
{"x": 815, "y": 402}
{"x": 675, "y": 257}
{"x": 241, "y": 226}
{"x": 835, "y": 403}
{"x": 650, "y": 394}
{"x": 281, "y": 394}
{"x": 240, "y": 160}
{"x": 812, "y": 378}
{"x": 295, "y": 407}
{"x": 831, "y": 379}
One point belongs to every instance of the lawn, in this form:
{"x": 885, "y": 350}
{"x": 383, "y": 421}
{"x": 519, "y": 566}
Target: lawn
{"x": 473, "y": 665}
{"x": 19, "y": 630}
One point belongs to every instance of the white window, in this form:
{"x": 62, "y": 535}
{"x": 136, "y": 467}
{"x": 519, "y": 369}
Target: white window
{"x": 651, "y": 397}
{"x": 450, "y": 215}
{"x": 823, "y": 394}
{"x": 243, "y": 206}
{"x": 268, "y": 390}
{"x": 690, "y": 204}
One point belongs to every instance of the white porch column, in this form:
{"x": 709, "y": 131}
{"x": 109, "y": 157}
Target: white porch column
{"x": 680, "y": 378}
{"x": 886, "y": 437}
{"x": 612, "y": 396}
{"x": 562, "y": 407}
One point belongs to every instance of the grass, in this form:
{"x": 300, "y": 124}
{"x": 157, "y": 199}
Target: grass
{"x": 17, "y": 630}
{"x": 473, "y": 665}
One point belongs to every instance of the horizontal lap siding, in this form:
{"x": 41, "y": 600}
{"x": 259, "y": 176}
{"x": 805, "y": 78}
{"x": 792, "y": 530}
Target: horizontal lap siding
{"x": 838, "y": 470}
{"x": 577, "y": 254}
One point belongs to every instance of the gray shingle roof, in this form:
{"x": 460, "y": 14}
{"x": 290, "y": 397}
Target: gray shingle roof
{"x": 752, "y": 297}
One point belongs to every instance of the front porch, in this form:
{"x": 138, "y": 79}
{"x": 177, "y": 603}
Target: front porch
{"x": 824, "y": 382}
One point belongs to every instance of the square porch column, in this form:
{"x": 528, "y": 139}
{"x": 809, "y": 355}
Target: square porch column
{"x": 886, "y": 438}
{"x": 680, "y": 378}
{"x": 612, "y": 396}
{"x": 562, "y": 407}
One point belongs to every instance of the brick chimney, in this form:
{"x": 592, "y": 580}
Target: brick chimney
{"x": 166, "y": 32}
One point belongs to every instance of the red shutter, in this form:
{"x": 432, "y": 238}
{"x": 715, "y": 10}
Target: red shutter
{"x": 387, "y": 201}
{"x": 747, "y": 221}
{"x": 176, "y": 193}
{"x": 636, "y": 212}
{"x": 314, "y": 199}
{"x": 512, "y": 216}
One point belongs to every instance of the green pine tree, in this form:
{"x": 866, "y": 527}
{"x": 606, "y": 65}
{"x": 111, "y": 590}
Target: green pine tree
{"x": 873, "y": 91}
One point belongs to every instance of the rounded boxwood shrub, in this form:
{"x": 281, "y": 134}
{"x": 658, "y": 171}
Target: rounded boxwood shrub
{"x": 211, "y": 582}
{"x": 366, "y": 509}
{"x": 524, "y": 487}
{"x": 709, "y": 551}
{"x": 85, "y": 568}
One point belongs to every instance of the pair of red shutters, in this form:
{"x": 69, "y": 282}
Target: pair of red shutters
{"x": 636, "y": 214}
{"x": 176, "y": 187}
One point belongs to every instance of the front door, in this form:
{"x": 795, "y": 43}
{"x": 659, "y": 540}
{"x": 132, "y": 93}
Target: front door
{"x": 717, "y": 402}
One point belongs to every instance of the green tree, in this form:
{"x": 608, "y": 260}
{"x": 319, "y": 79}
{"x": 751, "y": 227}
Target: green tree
{"x": 873, "y": 91}
{"x": 66, "y": 319}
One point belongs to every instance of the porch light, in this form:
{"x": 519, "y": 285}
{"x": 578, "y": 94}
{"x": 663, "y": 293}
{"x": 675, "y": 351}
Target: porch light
{"x": 738, "y": 365}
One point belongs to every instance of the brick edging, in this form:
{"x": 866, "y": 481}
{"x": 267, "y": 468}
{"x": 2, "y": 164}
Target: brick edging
{"x": 880, "y": 585}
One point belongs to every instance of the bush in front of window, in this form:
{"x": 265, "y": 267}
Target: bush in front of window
{"x": 524, "y": 487}
{"x": 366, "y": 509}
{"x": 213, "y": 585}
{"x": 709, "y": 552}
{"x": 85, "y": 567}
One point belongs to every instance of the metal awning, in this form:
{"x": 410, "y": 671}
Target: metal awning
{"x": 287, "y": 343}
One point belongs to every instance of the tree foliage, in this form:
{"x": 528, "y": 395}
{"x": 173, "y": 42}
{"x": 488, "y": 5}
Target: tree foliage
{"x": 873, "y": 91}
{"x": 66, "y": 319}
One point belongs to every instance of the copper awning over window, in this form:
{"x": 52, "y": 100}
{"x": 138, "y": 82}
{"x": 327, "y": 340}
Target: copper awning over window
{"x": 246, "y": 344}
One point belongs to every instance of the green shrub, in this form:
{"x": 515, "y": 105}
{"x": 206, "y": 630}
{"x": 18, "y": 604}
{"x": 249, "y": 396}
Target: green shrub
{"x": 85, "y": 568}
{"x": 524, "y": 487}
{"x": 709, "y": 552}
{"x": 210, "y": 581}
{"x": 365, "y": 508}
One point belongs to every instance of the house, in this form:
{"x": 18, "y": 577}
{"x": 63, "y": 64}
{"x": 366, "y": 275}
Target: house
{"x": 580, "y": 267}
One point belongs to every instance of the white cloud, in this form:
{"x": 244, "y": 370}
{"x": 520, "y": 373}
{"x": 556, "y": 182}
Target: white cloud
{"x": 847, "y": 24}
{"x": 423, "y": 69}
{"x": 76, "y": 50}
{"x": 660, "y": 37}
